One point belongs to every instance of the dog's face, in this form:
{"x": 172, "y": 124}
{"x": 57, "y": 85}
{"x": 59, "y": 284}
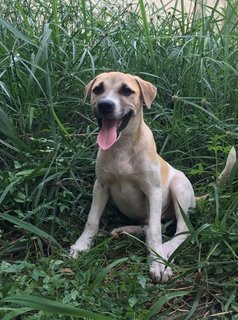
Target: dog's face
{"x": 117, "y": 97}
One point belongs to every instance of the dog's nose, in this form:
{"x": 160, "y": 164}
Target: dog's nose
{"x": 106, "y": 106}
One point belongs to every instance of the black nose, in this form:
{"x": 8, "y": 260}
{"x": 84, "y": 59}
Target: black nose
{"x": 106, "y": 106}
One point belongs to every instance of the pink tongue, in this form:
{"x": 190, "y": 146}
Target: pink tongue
{"x": 108, "y": 133}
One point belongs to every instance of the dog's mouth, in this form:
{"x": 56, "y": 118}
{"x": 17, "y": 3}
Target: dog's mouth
{"x": 110, "y": 130}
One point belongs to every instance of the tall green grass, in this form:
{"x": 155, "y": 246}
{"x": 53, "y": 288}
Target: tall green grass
{"x": 49, "y": 50}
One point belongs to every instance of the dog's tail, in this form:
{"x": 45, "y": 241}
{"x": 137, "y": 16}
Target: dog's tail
{"x": 230, "y": 162}
{"x": 224, "y": 176}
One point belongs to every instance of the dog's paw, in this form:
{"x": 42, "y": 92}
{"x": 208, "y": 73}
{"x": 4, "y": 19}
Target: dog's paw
{"x": 116, "y": 233}
{"x": 76, "y": 248}
{"x": 159, "y": 272}
{"x": 73, "y": 252}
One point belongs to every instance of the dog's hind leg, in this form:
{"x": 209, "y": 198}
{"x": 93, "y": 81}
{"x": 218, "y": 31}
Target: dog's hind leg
{"x": 183, "y": 198}
{"x": 129, "y": 229}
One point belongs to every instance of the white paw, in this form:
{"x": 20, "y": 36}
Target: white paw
{"x": 78, "y": 247}
{"x": 159, "y": 272}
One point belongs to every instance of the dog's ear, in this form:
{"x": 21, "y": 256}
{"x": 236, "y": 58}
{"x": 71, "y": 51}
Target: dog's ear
{"x": 148, "y": 91}
{"x": 88, "y": 89}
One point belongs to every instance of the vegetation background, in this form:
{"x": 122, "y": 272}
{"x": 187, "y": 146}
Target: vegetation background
{"x": 49, "y": 50}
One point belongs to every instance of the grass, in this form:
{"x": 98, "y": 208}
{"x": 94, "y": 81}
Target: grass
{"x": 49, "y": 50}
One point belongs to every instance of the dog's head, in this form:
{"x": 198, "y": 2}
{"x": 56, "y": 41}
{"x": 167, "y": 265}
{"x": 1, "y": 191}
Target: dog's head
{"x": 117, "y": 97}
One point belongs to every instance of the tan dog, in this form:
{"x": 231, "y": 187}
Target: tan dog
{"x": 143, "y": 185}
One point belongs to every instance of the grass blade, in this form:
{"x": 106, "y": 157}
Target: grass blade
{"x": 15, "y": 313}
{"x": 56, "y": 33}
{"x": 29, "y": 227}
{"x": 164, "y": 299}
{"x": 8, "y": 129}
{"x": 16, "y": 32}
{"x": 55, "y": 307}
{"x": 147, "y": 33}
{"x": 101, "y": 275}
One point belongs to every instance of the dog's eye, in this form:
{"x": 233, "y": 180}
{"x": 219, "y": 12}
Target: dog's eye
{"x": 98, "y": 89}
{"x": 126, "y": 91}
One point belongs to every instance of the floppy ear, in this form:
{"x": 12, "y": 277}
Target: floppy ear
{"x": 88, "y": 89}
{"x": 148, "y": 91}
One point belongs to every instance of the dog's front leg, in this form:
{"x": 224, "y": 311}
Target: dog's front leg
{"x": 158, "y": 270}
{"x": 84, "y": 242}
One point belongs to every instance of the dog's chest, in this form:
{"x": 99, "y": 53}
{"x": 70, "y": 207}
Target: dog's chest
{"x": 109, "y": 174}
{"x": 115, "y": 167}
{"x": 123, "y": 179}
{"x": 129, "y": 199}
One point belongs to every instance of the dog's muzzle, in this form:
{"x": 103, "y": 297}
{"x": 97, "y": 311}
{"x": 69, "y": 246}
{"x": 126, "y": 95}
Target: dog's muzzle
{"x": 110, "y": 122}
{"x": 106, "y": 107}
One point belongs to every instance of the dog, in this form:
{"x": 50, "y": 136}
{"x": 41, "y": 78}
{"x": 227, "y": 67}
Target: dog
{"x": 141, "y": 183}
